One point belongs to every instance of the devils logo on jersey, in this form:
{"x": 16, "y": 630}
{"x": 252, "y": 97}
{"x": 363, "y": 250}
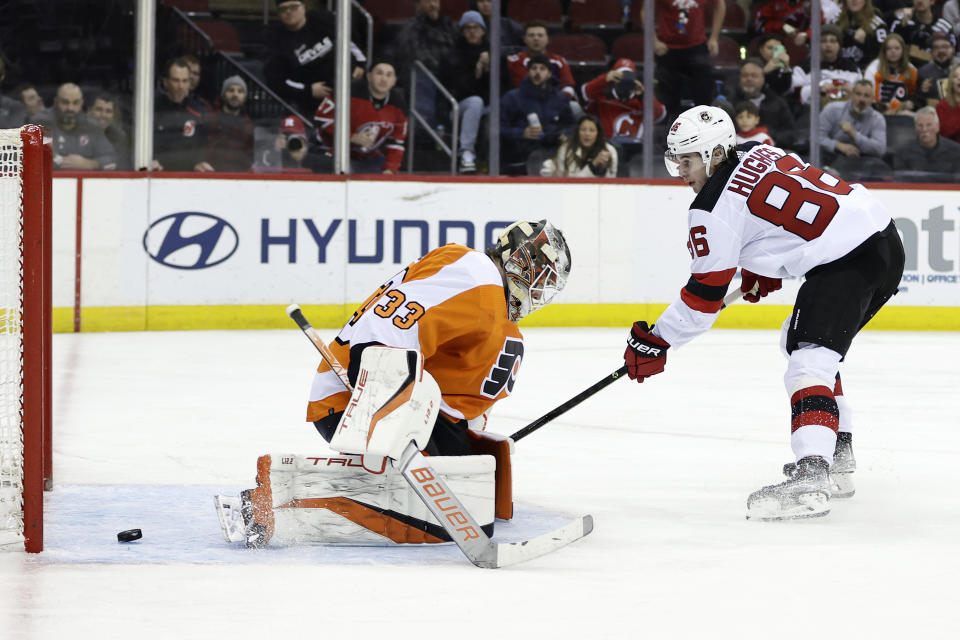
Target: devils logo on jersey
{"x": 503, "y": 375}
{"x": 626, "y": 126}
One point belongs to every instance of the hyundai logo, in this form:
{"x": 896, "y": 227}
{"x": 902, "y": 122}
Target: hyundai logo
{"x": 190, "y": 240}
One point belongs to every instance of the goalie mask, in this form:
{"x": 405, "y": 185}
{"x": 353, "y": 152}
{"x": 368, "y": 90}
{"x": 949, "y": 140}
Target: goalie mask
{"x": 536, "y": 261}
{"x": 699, "y": 130}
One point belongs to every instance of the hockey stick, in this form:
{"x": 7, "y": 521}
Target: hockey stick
{"x": 569, "y": 404}
{"x": 729, "y": 299}
{"x": 445, "y": 506}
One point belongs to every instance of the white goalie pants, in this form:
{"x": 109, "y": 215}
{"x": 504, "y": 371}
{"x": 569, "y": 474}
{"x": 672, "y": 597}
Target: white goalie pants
{"x": 356, "y": 500}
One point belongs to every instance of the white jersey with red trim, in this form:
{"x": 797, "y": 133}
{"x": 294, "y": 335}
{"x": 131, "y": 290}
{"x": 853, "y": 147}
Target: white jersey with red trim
{"x": 451, "y": 306}
{"x": 772, "y": 214}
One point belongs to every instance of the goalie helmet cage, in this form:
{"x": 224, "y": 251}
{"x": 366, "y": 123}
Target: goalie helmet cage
{"x": 26, "y": 166}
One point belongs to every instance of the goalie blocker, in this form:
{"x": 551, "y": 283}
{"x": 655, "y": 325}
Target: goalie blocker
{"x": 358, "y": 498}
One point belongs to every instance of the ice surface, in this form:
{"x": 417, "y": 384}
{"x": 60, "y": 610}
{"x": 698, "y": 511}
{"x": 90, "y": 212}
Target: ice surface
{"x": 148, "y": 426}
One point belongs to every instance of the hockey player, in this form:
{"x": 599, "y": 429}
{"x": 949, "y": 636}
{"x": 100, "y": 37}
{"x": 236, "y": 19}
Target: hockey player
{"x": 427, "y": 355}
{"x": 773, "y": 215}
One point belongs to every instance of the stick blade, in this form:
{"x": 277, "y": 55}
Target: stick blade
{"x": 510, "y": 553}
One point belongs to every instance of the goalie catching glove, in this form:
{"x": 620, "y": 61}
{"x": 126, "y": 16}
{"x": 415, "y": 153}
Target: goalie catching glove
{"x": 763, "y": 284}
{"x": 646, "y": 354}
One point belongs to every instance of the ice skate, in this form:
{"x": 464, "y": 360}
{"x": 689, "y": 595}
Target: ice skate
{"x": 844, "y": 464}
{"x": 806, "y": 494}
{"x": 236, "y": 520}
{"x": 229, "y": 513}
{"x": 841, "y": 473}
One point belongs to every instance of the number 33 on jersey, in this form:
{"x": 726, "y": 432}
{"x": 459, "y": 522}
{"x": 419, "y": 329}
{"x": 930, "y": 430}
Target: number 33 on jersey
{"x": 776, "y": 216}
{"x": 450, "y": 305}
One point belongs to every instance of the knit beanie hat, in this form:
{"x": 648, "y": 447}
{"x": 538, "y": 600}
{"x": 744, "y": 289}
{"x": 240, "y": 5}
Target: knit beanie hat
{"x": 472, "y": 16}
{"x": 232, "y": 80}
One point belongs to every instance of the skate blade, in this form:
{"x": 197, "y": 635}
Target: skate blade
{"x": 842, "y": 485}
{"x": 809, "y": 505}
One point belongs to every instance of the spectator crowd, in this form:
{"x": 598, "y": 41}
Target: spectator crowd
{"x": 888, "y": 92}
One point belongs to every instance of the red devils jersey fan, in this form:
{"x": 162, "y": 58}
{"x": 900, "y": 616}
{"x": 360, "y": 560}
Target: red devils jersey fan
{"x": 616, "y": 98}
{"x": 378, "y": 122}
{"x": 536, "y": 40}
{"x": 773, "y": 215}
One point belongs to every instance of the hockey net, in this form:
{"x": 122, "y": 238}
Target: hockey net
{"x": 25, "y": 327}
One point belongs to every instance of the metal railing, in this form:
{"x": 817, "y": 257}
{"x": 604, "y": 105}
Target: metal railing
{"x": 366, "y": 17}
{"x": 262, "y": 101}
{"x": 369, "y": 20}
{"x": 416, "y": 117}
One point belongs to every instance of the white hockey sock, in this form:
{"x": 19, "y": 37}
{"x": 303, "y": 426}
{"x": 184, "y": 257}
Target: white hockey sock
{"x": 846, "y": 413}
{"x": 814, "y": 415}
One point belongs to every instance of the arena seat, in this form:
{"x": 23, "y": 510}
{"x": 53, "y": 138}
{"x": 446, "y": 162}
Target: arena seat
{"x": 629, "y": 45}
{"x": 223, "y": 35}
{"x": 454, "y": 8}
{"x": 579, "y": 48}
{"x": 389, "y": 11}
{"x": 596, "y": 15}
{"x": 548, "y": 12}
{"x": 728, "y": 56}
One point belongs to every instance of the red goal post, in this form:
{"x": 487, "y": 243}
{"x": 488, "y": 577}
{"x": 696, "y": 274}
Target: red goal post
{"x": 26, "y": 469}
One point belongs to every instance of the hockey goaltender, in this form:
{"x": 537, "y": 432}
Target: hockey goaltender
{"x": 426, "y": 356}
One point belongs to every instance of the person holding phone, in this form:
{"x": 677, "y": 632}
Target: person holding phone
{"x": 776, "y": 67}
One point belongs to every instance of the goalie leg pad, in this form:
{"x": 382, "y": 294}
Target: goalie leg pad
{"x": 500, "y": 447}
{"x": 395, "y": 401}
{"x": 361, "y": 500}
{"x": 262, "y": 526}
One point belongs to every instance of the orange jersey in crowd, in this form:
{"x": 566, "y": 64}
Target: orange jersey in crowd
{"x": 451, "y": 306}
{"x": 893, "y": 89}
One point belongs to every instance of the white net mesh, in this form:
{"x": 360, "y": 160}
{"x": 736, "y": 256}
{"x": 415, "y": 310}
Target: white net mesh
{"x": 11, "y": 346}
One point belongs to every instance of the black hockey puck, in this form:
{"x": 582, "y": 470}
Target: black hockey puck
{"x": 129, "y": 535}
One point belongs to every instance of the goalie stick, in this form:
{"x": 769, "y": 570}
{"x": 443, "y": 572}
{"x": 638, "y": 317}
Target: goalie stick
{"x": 729, "y": 299}
{"x": 449, "y": 511}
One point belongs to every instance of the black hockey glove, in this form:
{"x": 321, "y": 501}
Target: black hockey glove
{"x": 646, "y": 354}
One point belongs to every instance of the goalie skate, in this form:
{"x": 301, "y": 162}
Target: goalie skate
{"x": 235, "y": 514}
{"x": 230, "y": 517}
{"x": 805, "y": 495}
{"x": 841, "y": 472}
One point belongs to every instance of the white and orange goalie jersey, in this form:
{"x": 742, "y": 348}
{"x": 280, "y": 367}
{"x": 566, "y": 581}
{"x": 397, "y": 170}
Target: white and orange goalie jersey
{"x": 451, "y": 306}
